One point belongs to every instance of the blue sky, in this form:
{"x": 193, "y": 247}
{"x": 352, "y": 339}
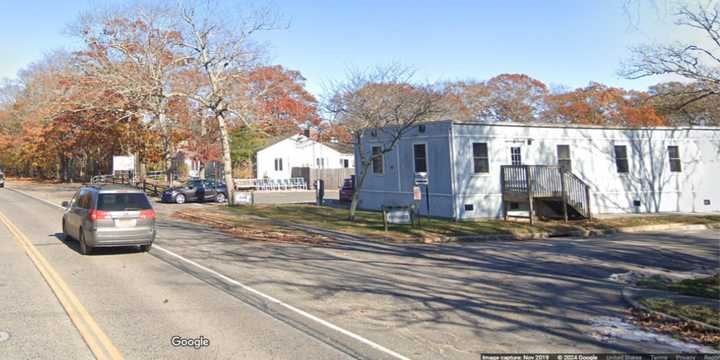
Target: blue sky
{"x": 560, "y": 42}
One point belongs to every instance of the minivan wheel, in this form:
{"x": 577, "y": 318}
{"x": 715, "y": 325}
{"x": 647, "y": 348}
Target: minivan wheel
{"x": 220, "y": 198}
{"x": 84, "y": 248}
{"x": 180, "y": 199}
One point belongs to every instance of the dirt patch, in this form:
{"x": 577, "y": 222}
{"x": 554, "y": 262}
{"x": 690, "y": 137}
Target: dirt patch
{"x": 255, "y": 231}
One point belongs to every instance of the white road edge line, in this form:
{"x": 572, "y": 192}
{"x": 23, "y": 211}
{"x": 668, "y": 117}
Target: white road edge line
{"x": 288, "y": 306}
{"x": 303, "y": 313}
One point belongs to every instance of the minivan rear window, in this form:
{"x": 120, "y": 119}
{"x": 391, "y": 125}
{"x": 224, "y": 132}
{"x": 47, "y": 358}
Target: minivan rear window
{"x": 123, "y": 202}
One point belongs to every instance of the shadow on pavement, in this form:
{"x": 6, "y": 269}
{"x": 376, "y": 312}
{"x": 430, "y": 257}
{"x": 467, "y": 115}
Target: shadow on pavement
{"x": 98, "y": 251}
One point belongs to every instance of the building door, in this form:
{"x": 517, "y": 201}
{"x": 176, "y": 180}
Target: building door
{"x": 516, "y": 155}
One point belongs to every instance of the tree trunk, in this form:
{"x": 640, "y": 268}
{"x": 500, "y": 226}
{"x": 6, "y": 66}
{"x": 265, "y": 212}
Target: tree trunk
{"x": 356, "y": 192}
{"x": 227, "y": 159}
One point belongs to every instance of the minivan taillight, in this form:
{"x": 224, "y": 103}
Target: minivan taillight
{"x": 95, "y": 214}
{"x": 147, "y": 214}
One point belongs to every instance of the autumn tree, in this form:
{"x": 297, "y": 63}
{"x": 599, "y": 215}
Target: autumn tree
{"x": 134, "y": 51}
{"x": 598, "y": 104}
{"x": 698, "y": 61}
{"x": 503, "y": 98}
{"x": 220, "y": 55}
{"x": 279, "y": 102}
{"x": 387, "y": 101}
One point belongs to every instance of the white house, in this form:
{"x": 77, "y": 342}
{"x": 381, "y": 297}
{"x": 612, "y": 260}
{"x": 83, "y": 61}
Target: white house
{"x": 482, "y": 170}
{"x": 277, "y": 160}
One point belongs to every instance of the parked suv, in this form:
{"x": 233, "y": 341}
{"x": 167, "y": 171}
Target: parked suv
{"x": 2, "y": 180}
{"x": 109, "y": 215}
{"x": 196, "y": 190}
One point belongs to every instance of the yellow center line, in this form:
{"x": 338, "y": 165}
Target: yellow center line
{"x": 94, "y": 337}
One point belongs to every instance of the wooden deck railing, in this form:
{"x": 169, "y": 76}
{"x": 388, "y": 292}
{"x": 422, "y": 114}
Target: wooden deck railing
{"x": 546, "y": 181}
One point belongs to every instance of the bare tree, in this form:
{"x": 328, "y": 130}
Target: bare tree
{"x": 133, "y": 51}
{"x": 220, "y": 54}
{"x": 385, "y": 101}
{"x": 695, "y": 61}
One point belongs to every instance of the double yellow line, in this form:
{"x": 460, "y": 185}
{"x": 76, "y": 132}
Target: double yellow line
{"x": 94, "y": 337}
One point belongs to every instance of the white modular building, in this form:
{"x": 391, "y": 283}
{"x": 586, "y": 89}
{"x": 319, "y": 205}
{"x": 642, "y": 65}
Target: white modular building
{"x": 478, "y": 170}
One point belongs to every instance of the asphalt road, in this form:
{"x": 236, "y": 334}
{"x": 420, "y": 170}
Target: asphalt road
{"x": 342, "y": 299}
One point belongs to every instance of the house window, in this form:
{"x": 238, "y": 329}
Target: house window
{"x": 481, "y": 163}
{"x": 621, "y": 159}
{"x": 515, "y": 156}
{"x": 563, "y": 154}
{"x": 377, "y": 160}
{"x": 674, "y": 156}
{"x": 320, "y": 162}
{"x": 420, "y": 158}
{"x": 278, "y": 164}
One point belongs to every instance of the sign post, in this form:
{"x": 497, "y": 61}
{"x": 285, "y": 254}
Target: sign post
{"x": 421, "y": 178}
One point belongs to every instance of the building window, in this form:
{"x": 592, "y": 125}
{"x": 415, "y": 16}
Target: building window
{"x": 344, "y": 163}
{"x": 674, "y": 156}
{"x": 420, "y": 154}
{"x": 377, "y": 160}
{"x": 320, "y": 162}
{"x": 621, "y": 159}
{"x": 481, "y": 162}
{"x": 563, "y": 154}
{"x": 278, "y": 164}
{"x": 515, "y": 156}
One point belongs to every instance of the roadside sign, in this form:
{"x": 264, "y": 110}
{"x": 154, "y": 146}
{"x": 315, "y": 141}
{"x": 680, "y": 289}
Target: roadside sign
{"x": 417, "y": 194}
{"x": 123, "y": 163}
{"x": 243, "y": 197}
{"x": 421, "y": 178}
{"x": 399, "y": 215}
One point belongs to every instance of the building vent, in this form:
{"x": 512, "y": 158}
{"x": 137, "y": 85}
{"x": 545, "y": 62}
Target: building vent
{"x": 636, "y": 203}
{"x": 706, "y": 202}
{"x": 469, "y": 207}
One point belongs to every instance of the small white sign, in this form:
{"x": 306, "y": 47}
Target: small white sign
{"x": 243, "y": 197}
{"x": 398, "y": 216}
{"x": 123, "y": 163}
{"x": 421, "y": 178}
{"x": 417, "y": 194}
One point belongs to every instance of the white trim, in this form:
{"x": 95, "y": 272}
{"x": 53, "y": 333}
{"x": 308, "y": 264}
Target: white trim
{"x": 453, "y": 179}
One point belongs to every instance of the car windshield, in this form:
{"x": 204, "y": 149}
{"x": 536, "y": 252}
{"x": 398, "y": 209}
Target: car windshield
{"x": 193, "y": 183}
{"x": 123, "y": 202}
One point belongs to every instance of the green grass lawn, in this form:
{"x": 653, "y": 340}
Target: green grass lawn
{"x": 701, "y": 313}
{"x": 708, "y": 287}
{"x": 370, "y": 224}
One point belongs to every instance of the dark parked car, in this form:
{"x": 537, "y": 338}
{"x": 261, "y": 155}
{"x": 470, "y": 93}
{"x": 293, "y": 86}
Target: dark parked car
{"x": 196, "y": 190}
{"x": 347, "y": 190}
{"x": 2, "y": 180}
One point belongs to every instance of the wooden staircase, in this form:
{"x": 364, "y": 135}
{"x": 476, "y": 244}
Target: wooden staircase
{"x": 553, "y": 186}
